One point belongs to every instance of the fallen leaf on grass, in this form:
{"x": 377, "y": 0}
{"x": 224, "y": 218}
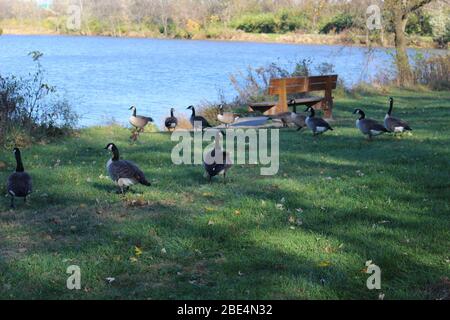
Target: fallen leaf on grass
{"x": 208, "y": 194}
{"x": 133, "y": 259}
{"x": 163, "y": 251}
{"x": 325, "y": 264}
{"x": 211, "y": 223}
{"x": 137, "y": 251}
{"x": 359, "y": 173}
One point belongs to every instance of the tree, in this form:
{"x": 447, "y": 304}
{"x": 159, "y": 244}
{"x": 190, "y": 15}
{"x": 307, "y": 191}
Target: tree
{"x": 400, "y": 11}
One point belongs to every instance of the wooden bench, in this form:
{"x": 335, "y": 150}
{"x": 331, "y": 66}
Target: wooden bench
{"x": 283, "y": 87}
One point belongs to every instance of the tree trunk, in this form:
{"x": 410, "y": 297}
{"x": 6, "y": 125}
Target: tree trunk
{"x": 402, "y": 59}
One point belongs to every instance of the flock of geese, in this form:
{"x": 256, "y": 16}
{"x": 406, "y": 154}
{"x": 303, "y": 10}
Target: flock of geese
{"x": 217, "y": 162}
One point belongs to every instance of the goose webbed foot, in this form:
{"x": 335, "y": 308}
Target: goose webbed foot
{"x": 122, "y": 191}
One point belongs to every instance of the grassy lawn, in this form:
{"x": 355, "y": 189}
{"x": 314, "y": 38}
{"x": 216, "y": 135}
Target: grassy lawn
{"x": 346, "y": 201}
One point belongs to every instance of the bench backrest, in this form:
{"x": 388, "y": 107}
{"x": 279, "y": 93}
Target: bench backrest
{"x": 302, "y": 84}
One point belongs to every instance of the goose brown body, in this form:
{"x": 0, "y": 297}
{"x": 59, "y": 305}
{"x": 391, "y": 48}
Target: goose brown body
{"x": 315, "y": 124}
{"x": 19, "y": 183}
{"x": 139, "y": 122}
{"x": 171, "y": 122}
{"x": 197, "y": 121}
{"x": 393, "y": 124}
{"x": 226, "y": 118}
{"x": 369, "y": 127}
{"x": 217, "y": 162}
{"x": 122, "y": 172}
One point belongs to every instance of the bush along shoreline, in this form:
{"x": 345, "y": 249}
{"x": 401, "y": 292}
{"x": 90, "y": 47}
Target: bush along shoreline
{"x": 31, "y": 109}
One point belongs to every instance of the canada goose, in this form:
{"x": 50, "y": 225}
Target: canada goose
{"x": 217, "y": 165}
{"x": 369, "y": 127}
{"x": 139, "y": 122}
{"x": 197, "y": 121}
{"x": 124, "y": 173}
{"x": 19, "y": 183}
{"x": 299, "y": 120}
{"x": 172, "y": 121}
{"x": 226, "y": 118}
{"x": 395, "y": 125}
{"x": 317, "y": 125}
{"x": 285, "y": 117}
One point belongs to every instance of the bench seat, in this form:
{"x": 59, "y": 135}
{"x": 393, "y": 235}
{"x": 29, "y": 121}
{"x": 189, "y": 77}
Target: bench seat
{"x": 283, "y": 87}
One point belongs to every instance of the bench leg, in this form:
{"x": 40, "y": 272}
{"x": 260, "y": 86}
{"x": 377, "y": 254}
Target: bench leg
{"x": 328, "y": 110}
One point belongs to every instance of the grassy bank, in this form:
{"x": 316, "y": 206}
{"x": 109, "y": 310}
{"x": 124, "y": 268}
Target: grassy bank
{"x": 346, "y": 201}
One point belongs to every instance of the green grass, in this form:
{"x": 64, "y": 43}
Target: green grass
{"x": 385, "y": 201}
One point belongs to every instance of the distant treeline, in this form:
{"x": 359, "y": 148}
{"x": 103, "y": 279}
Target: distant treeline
{"x": 214, "y": 18}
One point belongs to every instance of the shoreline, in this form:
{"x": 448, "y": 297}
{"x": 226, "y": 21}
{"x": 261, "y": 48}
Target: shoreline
{"x": 287, "y": 39}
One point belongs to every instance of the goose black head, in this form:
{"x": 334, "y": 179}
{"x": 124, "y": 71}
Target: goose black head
{"x": 115, "y": 151}
{"x": 190, "y": 108}
{"x": 311, "y": 111}
{"x": 16, "y": 151}
{"x": 111, "y": 147}
{"x": 360, "y": 112}
{"x": 132, "y": 108}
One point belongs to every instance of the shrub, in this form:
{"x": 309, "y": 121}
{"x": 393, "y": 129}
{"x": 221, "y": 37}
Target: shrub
{"x": 419, "y": 24}
{"x": 444, "y": 38}
{"x": 433, "y": 72}
{"x": 280, "y": 22}
{"x": 31, "y": 110}
{"x": 260, "y": 23}
{"x": 338, "y": 24}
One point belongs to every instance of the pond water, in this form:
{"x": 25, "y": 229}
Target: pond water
{"x": 102, "y": 77}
